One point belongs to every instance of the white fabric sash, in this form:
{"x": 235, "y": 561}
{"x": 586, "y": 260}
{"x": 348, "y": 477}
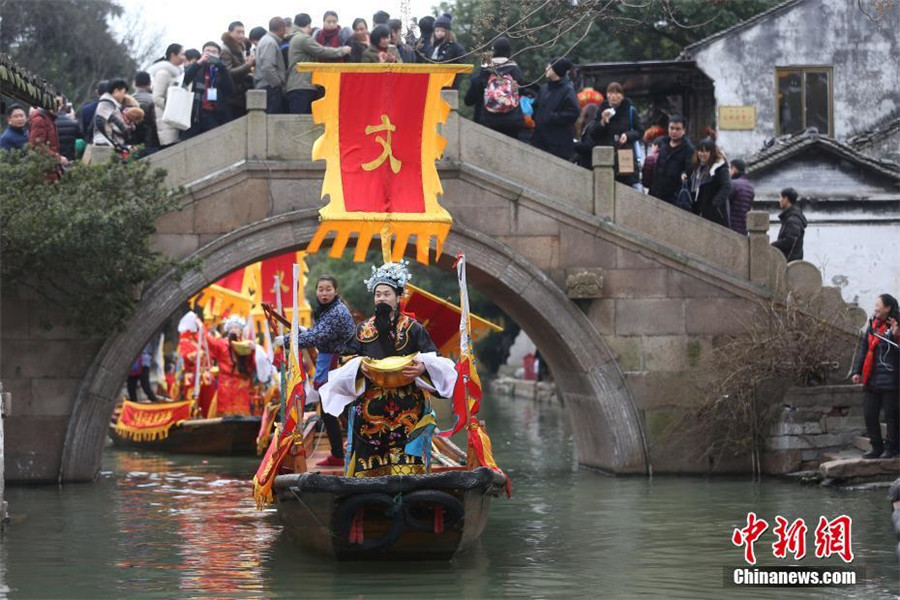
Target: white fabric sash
{"x": 344, "y": 387}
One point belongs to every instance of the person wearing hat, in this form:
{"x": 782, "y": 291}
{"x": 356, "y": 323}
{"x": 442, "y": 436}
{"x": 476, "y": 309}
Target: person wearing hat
{"x": 444, "y": 48}
{"x": 555, "y": 111}
{"x": 236, "y": 358}
{"x": 390, "y": 422}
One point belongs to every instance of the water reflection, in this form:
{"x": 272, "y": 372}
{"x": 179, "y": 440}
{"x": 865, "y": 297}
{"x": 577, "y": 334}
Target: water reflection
{"x": 178, "y": 527}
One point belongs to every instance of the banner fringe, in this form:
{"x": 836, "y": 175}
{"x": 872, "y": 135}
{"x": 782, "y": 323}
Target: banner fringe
{"x": 401, "y": 233}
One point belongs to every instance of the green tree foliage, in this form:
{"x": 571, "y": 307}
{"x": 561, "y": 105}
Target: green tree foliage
{"x": 82, "y": 242}
{"x": 67, "y": 42}
{"x": 619, "y": 31}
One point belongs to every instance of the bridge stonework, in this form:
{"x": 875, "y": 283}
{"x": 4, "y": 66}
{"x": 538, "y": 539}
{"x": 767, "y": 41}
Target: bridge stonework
{"x": 623, "y": 294}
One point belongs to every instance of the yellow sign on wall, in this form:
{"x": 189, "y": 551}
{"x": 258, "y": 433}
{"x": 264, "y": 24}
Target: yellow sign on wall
{"x": 737, "y": 117}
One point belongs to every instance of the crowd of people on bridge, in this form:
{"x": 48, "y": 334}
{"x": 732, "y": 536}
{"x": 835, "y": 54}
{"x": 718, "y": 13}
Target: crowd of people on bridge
{"x": 659, "y": 160}
{"x": 218, "y": 76}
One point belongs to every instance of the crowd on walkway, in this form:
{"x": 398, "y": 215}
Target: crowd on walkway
{"x": 187, "y": 92}
{"x": 216, "y": 78}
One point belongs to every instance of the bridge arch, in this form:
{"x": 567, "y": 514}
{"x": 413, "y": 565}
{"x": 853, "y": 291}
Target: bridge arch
{"x": 608, "y": 430}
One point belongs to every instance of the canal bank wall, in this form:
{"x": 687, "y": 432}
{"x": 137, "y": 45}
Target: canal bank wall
{"x": 540, "y": 391}
{"x": 815, "y": 426}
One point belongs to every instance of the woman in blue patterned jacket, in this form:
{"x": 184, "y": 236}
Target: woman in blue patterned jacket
{"x": 333, "y": 328}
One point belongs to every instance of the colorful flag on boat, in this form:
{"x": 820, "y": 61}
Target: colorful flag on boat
{"x": 292, "y": 402}
{"x": 467, "y": 392}
{"x": 287, "y": 436}
{"x": 440, "y": 318}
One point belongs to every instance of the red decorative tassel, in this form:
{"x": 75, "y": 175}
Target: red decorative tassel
{"x": 438, "y": 518}
{"x": 356, "y": 528}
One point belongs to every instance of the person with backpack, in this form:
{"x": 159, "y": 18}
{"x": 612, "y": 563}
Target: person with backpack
{"x": 494, "y": 90}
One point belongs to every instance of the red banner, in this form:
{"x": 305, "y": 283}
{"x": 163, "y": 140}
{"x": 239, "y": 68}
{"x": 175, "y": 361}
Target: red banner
{"x": 381, "y": 141}
{"x": 381, "y": 144}
{"x": 147, "y": 422}
{"x": 283, "y": 267}
{"x": 234, "y": 281}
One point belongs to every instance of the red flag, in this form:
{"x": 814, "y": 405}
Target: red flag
{"x": 281, "y": 266}
{"x": 381, "y": 141}
{"x": 233, "y": 281}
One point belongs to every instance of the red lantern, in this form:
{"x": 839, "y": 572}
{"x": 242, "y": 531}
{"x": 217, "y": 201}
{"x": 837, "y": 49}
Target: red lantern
{"x": 589, "y": 95}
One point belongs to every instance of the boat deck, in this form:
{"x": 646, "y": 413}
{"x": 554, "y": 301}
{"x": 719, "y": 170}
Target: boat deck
{"x": 445, "y": 455}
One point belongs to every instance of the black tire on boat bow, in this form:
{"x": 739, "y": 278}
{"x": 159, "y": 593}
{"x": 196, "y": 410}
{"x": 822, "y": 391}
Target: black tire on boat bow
{"x": 343, "y": 519}
{"x": 455, "y": 511}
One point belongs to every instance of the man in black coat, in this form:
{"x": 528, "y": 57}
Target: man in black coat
{"x": 145, "y": 132}
{"x": 673, "y": 164}
{"x": 793, "y": 226}
{"x": 555, "y": 112}
{"x": 212, "y": 85}
{"x": 67, "y": 128}
{"x": 741, "y": 198}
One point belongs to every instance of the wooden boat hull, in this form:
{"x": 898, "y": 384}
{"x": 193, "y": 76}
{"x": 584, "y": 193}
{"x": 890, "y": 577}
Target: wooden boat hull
{"x": 225, "y": 436}
{"x": 395, "y": 514}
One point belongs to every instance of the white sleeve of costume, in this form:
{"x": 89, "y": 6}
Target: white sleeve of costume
{"x": 443, "y": 374}
{"x": 264, "y": 368}
{"x": 342, "y": 388}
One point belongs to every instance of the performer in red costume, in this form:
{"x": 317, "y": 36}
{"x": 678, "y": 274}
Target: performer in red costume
{"x": 237, "y": 366}
{"x": 188, "y": 334}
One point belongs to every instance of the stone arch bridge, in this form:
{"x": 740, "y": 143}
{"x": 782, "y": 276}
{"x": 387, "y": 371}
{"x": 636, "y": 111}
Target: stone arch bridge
{"x": 624, "y": 294}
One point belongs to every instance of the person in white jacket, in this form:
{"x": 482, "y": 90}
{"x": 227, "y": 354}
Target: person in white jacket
{"x": 165, "y": 72}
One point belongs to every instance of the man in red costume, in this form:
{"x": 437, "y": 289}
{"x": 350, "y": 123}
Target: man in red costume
{"x": 237, "y": 366}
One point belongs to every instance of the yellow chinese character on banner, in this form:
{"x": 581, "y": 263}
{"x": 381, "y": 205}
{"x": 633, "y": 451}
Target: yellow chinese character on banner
{"x": 387, "y": 152}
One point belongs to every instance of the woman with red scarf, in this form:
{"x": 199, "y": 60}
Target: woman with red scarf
{"x": 877, "y": 367}
{"x": 330, "y": 36}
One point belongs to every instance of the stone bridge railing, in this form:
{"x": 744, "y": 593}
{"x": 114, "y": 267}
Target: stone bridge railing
{"x": 747, "y": 264}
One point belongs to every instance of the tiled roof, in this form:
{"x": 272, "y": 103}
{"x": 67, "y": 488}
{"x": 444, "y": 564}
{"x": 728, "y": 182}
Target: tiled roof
{"x": 689, "y": 51}
{"x": 24, "y": 86}
{"x": 785, "y": 148}
{"x": 877, "y": 133}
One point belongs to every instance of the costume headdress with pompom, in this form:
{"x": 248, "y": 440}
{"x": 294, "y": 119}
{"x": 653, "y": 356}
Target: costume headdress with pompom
{"x": 394, "y": 274}
{"x": 235, "y": 322}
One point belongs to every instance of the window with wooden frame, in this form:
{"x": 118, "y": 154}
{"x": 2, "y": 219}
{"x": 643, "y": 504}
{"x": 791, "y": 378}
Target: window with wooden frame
{"x": 804, "y": 98}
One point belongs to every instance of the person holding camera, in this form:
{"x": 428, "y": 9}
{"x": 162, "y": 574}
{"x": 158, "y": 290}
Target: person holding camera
{"x": 212, "y": 85}
{"x": 877, "y": 367}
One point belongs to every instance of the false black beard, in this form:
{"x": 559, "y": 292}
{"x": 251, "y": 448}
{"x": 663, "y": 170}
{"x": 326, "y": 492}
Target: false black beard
{"x": 383, "y": 318}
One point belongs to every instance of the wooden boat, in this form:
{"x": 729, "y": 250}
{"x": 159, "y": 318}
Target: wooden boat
{"x": 221, "y": 436}
{"x": 408, "y": 517}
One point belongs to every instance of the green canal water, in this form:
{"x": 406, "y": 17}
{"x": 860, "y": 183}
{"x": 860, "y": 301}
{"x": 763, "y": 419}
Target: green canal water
{"x": 181, "y": 527}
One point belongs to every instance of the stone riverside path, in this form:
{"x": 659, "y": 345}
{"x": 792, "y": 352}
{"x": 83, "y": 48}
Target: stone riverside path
{"x": 623, "y": 294}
